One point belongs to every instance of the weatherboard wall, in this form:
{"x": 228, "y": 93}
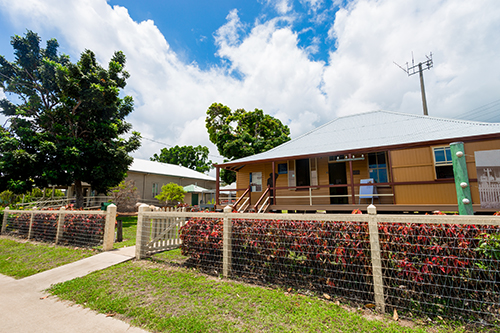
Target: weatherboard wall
{"x": 411, "y": 174}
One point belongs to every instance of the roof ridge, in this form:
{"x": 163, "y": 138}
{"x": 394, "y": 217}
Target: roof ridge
{"x": 464, "y": 121}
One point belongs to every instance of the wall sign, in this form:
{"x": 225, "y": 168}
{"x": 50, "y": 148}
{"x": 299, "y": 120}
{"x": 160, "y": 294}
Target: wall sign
{"x": 488, "y": 177}
{"x": 256, "y": 181}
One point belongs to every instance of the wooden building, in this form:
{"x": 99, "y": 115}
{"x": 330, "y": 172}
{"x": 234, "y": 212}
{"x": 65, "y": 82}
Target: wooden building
{"x": 406, "y": 156}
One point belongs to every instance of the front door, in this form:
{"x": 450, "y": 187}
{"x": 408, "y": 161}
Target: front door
{"x": 337, "y": 175}
{"x": 194, "y": 199}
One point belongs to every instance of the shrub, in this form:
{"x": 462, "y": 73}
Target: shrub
{"x": 441, "y": 269}
{"x": 171, "y": 193}
{"x": 125, "y": 196}
{"x": 79, "y": 230}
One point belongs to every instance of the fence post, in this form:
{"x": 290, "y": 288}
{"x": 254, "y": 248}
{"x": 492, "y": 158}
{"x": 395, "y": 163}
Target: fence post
{"x": 109, "y": 228}
{"x": 464, "y": 198}
{"x": 227, "y": 242}
{"x": 378, "y": 283}
{"x": 142, "y": 231}
{"x": 31, "y": 222}
{"x": 5, "y": 218}
{"x": 60, "y": 223}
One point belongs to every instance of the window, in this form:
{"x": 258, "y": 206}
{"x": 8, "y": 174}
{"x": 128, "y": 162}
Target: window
{"x": 377, "y": 167}
{"x": 443, "y": 162}
{"x": 303, "y": 172}
{"x": 155, "y": 189}
{"x": 282, "y": 169}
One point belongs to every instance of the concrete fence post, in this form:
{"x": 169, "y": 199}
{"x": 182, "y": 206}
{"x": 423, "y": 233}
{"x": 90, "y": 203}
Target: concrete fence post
{"x": 142, "y": 232}
{"x": 31, "y": 222}
{"x": 227, "y": 242}
{"x": 5, "y": 219}
{"x": 60, "y": 223}
{"x": 378, "y": 283}
{"x": 109, "y": 228}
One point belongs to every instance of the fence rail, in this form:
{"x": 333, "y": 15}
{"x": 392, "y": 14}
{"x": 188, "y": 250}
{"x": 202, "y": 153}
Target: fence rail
{"x": 435, "y": 266}
{"x": 67, "y": 227}
{"x": 56, "y": 202}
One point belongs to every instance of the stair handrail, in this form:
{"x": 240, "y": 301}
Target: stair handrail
{"x": 241, "y": 198}
{"x": 256, "y": 206}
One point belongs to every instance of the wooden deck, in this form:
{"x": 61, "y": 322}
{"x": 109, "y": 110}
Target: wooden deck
{"x": 383, "y": 208}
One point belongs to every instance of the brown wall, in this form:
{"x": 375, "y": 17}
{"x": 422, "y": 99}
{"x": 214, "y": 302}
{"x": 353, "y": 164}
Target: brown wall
{"x": 417, "y": 164}
{"x": 408, "y": 165}
{"x": 289, "y": 196}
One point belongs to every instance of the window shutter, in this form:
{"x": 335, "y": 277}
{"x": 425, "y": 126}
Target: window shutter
{"x": 313, "y": 163}
{"x": 291, "y": 174}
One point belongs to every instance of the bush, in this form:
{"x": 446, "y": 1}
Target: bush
{"x": 325, "y": 256}
{"x": 125, "y": 196}
{"x": 442, "y": 269}
{"x": 77, "y": 230}
{"x": 171, "y": 194}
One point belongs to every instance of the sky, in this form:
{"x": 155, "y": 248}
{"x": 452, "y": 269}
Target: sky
{"x": 305, "y": 62}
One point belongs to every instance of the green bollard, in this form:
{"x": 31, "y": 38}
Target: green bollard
{"x": 462, "y": 184}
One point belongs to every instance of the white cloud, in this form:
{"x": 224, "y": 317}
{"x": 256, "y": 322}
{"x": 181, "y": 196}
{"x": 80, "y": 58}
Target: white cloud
{"x": 313, "y": 5}
{"x": 371, "y": 35}
{"x": 277, "y": 75}
{"x": 281, "y": 6}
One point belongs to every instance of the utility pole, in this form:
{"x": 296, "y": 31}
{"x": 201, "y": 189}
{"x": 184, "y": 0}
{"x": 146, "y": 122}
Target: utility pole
{"x": 419, "y": 68}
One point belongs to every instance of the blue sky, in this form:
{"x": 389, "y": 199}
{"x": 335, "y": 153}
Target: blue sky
{"x": 305, "y": 62}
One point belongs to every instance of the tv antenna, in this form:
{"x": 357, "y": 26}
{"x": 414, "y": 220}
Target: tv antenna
{"x": 419, "y": 68}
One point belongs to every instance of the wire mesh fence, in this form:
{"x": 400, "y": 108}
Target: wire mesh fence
{"x": 62, "y": 227}
{"x": 446, "y": 270}
{"x": 425, "y": 266}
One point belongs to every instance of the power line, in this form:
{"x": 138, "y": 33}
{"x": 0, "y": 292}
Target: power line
{"x": 484, "y": 110}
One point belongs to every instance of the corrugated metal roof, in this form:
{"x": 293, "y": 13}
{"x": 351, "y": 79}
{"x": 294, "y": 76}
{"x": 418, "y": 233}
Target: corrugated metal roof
{"x": 375, "y": 129}
{"x": 166, "y": 169}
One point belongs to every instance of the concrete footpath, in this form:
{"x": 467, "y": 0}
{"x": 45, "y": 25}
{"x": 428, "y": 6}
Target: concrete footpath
{"x": 24, "y": 306}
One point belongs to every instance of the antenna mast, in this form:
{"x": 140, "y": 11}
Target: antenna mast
{"x": 419, "y": 68}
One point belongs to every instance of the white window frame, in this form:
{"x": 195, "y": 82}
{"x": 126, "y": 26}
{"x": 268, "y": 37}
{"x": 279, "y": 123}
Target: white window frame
{"x": 440, "y": 164}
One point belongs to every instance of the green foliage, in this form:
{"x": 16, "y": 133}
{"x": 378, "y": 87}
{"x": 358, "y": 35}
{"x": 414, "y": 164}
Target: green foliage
{"x": 243, "y": 133}
{"x": 7, "y": 198}
{"x": 171, "y": 193}
{"x": 67, "y": 124}
{"x": 195, "y": 158}
{"x": 489, "y": 245}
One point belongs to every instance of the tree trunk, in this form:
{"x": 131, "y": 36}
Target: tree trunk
{"x": 78, "y": 194}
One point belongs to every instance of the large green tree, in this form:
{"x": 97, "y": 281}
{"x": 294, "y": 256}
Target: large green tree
{"x": 65, "y": 119}
{"x": 195, "y": 158}
{"x": 241, "y": 133}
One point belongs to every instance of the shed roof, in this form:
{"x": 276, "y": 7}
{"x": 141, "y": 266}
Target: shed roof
{"x": 193, "y": 188}
{"x": 166, "y": 169}
{"x": 487, "y": 158}
{"x": 374, "y": 129}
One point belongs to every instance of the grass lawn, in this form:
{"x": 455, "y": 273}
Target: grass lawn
{"x": 167, "y": 298}
{"x": 20, "y": 259}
